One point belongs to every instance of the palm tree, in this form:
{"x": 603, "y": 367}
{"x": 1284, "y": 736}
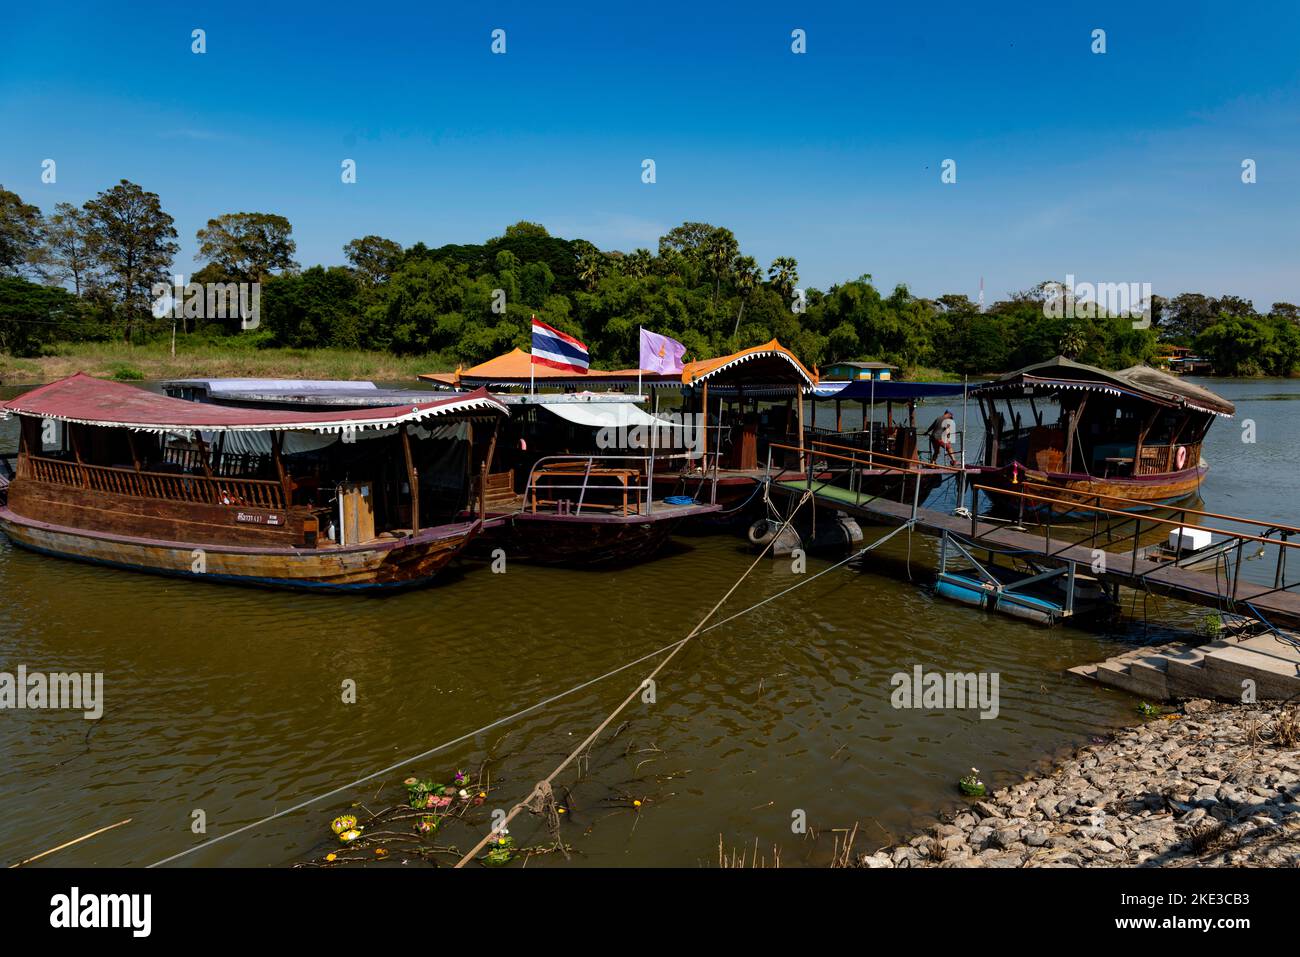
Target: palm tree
{"x": 587, "y": 261}
{"x": 721, "y": 253}
{"x": 748, "y": 276}
{"x": 783, "y": 275}
{"x": 639, "y": 263}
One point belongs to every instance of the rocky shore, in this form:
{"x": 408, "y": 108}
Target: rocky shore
{"x": 1208, "y": 784}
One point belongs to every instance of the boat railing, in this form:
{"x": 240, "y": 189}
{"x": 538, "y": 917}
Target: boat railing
{"x": 854, "y": 465}
{"x": 630, "y": 476}
{"x": 167, "y": 486}
{"x": 1157, "y": 459}
{"x": 1183, "y": 519}
{"x": 233, "y": 464}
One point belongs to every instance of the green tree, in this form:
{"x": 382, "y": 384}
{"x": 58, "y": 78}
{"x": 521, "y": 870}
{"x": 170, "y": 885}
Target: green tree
{"x": 135, "y": 247}
{"x": 783, "y": 274}
{"x": 247, "y": 247}
{"x": 71, "y": 247}
{"x": 33, "y": 315}
{"x": 374, "y": 258}
{"x": 20, "y": 235}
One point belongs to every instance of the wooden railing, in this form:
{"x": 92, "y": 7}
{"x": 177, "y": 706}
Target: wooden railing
{"x": 231, "y": 463}
{"x": 198, "y": 489}
{"x": 1164, "y": 458}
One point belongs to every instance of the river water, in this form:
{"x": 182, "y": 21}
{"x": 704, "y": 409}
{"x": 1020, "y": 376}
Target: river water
{"x": 228, "y": 701}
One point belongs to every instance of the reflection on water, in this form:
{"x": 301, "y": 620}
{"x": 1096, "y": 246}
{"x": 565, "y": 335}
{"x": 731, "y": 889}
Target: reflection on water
{"x": 229, "y": 700}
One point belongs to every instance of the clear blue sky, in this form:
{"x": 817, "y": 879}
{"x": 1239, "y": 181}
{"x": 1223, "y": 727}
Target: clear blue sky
{"x": 1117, "y": 167}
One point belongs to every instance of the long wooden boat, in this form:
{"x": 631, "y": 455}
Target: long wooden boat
{"x": 555, "y": 494}
{"x": 304, "y": 500}
{"x": 1136, "y": 433}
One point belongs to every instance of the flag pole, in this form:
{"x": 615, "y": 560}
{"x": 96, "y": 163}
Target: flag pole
{"x": 639, "y": 331}
{"x": 532, "y": 388}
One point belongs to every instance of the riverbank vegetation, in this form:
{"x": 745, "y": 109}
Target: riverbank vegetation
{"x": 86, "y": 276}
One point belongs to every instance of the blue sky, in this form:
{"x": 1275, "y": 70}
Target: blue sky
{"x": 1117, "y": 167}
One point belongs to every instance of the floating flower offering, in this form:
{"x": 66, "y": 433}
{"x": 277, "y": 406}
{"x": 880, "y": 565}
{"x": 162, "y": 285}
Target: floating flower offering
{"x": 971, "y": 785}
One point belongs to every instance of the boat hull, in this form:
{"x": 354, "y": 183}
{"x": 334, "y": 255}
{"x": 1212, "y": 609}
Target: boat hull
{"x": 1148, "y": 492}
{"x": 376, "y": 566}
{"x": 603, "y": 540}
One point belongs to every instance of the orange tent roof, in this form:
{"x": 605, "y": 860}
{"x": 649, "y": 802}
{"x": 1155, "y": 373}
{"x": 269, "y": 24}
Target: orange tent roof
{"x": 769, "y": 364}
{"x": 516, "y": 367}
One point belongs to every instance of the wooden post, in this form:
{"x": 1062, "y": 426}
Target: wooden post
{"x": 839, "y": 427}
{"x": 413, "y": 478}
{"x": 277, "y": 441}
{"x": 203, "y": 453}
{"x": 798, "y": 398}
{"x": 705, "y": 400}
{"x": 1141, "y": 440}
{"x": 74, "y": 439}
{"x": 135, "y": 452}
{"x": 487, "y": 470}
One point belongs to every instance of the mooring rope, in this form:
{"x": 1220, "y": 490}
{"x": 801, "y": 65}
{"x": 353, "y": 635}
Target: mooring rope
{"x": 536, "y": 796}
{"x": 812, "y": 578}
{"x": 424, "y": 754}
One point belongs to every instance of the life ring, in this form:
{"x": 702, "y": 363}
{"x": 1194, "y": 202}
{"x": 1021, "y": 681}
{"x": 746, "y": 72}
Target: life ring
{"x": 1181, "y": 457}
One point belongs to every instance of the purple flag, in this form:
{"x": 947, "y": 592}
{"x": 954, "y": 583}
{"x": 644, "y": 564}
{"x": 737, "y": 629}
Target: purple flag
{"x": 660, "y": 354}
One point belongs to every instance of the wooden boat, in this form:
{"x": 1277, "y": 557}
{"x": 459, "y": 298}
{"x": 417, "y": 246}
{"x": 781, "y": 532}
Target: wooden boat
{"x": 364, "y": 500}
{"x": 1135, "y": 434}
{"x": 554, "y": 494}
{"x": 895, "y": 462}
{"x": 751, "y": 406}
{"x": 744, "y": 403}
{"x": 576, "y": 482}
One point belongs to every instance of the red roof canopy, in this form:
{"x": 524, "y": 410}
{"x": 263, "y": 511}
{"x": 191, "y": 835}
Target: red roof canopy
{"x": 89, "y": 401}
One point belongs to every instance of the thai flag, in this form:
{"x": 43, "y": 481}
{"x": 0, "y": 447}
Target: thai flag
{"x": 557, "y": 349}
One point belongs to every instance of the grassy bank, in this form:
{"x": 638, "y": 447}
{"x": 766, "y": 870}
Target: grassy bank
{"x": 117, "y": 360}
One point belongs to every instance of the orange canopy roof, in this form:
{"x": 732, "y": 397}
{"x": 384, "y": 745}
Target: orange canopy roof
{"x": 769, "y": 364}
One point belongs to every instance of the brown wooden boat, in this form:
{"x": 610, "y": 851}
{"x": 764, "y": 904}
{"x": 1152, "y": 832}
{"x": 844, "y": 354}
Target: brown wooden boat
{"x": 357, "y": 500}
{"x": 1135, "y": 434}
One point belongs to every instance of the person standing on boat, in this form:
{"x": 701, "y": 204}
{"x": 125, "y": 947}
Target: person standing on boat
{"x": 941, "y": 432}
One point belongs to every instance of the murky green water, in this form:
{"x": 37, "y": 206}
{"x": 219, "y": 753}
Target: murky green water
{"x": 228, "y": 700}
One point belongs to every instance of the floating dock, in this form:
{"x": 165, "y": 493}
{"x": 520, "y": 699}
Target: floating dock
{"x": 1055, "y": 575}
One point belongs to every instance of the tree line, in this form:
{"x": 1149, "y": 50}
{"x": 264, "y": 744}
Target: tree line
{"x": 87, "y": 272}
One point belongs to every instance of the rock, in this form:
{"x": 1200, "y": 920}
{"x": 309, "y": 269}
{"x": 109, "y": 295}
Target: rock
{"x": 1136, "y": 800}
{"x": 1036, "y": 837}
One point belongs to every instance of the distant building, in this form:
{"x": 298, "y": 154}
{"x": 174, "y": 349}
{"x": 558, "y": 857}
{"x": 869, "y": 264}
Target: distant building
{"x": 1181, "y": 361}
{"x": 848, "y": 371}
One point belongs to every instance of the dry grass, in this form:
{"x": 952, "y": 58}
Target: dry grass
{"x": 746, "y": 857}
{"x": 201, "y": 358}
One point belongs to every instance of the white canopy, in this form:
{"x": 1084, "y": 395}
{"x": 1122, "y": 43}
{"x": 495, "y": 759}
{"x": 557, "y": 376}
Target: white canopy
{"x": 607, "y": 415}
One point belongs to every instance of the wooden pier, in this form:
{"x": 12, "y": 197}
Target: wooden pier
{"x": 1079, "y": 553}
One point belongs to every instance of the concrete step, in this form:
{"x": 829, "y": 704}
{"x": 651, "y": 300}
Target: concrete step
{"x": 1273, "y": 677}
{"x": 1120, "y": 676}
